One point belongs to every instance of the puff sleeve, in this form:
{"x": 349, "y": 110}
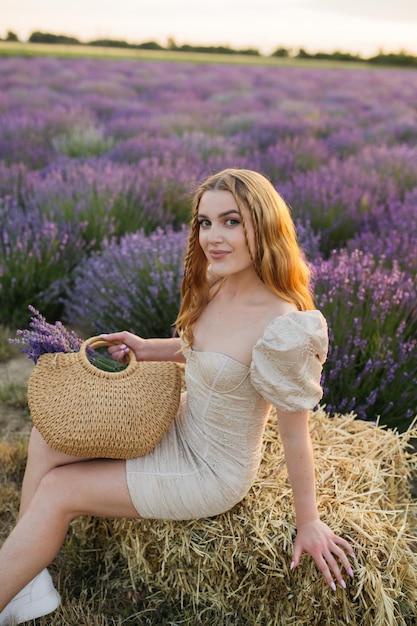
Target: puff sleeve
{"x": 287, "y": 361}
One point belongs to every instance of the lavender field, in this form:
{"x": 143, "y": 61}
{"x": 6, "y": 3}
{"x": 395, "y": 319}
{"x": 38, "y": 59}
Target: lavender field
{"x": 98, "y": 159}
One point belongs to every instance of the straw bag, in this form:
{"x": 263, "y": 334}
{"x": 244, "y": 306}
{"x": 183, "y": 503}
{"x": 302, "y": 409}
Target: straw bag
{"x": 87, "y": 412}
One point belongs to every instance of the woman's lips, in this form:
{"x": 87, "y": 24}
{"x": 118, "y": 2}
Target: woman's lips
{"x": 218, "y": 254}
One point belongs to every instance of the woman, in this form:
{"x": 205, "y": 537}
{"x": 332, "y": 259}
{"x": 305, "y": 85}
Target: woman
{"x": 250, "y": 338}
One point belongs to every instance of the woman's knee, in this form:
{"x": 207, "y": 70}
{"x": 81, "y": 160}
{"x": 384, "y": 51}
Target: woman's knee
{"x": 55, "y": 495}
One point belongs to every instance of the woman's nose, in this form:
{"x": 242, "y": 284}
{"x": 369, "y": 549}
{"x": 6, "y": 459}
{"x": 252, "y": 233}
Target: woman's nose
{"x": 215, "y": 234}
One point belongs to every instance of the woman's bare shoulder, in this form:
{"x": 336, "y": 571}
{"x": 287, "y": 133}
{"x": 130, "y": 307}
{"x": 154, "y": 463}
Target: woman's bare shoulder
{"x": 275, "y": 306}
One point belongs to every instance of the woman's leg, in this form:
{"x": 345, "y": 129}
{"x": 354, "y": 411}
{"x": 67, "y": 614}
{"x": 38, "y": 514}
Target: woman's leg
{"x": 96, "y": 487}
{"x": 41, "y": 460}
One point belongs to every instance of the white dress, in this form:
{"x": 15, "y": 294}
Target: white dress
{"x": 209, "y": 458}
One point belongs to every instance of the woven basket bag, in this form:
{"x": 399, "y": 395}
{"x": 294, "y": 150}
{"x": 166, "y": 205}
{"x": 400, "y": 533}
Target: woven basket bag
{"x": 87, "y": 412}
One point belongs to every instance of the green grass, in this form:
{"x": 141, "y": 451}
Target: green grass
{"x": 7, "y": 351}
{"x": 79, "y": 51}
{"x": 14, "y": 395}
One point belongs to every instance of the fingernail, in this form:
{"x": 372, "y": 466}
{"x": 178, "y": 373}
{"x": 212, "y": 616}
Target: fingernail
{"x": 350, "y": 572}
{"x": 104, "y": 335}
{"x": 292, "y": 565}
{"x": 333, "y": 586}
{"x": 342, "y": 582}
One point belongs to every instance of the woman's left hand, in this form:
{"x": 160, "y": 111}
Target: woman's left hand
{"x": 326, "y": 548}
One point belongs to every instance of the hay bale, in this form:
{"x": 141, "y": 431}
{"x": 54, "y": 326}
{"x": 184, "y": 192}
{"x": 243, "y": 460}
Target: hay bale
{"x": 234, "y": 569}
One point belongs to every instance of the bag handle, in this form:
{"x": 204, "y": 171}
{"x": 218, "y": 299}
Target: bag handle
{"x": 100, "y": 342}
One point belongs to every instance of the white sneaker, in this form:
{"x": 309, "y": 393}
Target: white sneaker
{"x": 38, "y": 598}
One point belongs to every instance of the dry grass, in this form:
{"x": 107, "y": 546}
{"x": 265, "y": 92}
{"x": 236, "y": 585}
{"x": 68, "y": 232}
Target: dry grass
{"x": 233, "y": 570}
{"x": 15, "y": 395}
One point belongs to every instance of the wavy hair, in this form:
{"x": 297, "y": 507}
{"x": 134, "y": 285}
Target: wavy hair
{"x": 277, "y": 257}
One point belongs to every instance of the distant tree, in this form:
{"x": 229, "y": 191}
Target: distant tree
{"x": 171, "y": 44}
{"x": 281, "y": 52}
{"x": 328, "y": 56}
{"x": 39, "y": 37}
{"x": 214, "y": 49}
{"x": 399, "y": 58}
{"x": 110, "y": 43}
{"x": 11, "y": 36}
{"x": 336, "y": 56}
{"x": 346, "y": 56}
{"x": 249, "y": 51}
{"x": 116, "y": 43}
{"x": 149, "y": 45}
{"x": 303, "y": 54}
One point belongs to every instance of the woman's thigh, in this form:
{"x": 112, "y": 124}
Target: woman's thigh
{"x": 94, "y": 487}
{"x": 40, "y": 452}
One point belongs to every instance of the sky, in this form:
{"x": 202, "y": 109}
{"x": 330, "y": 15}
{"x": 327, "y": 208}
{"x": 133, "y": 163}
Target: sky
{"x": 357, "y": 26}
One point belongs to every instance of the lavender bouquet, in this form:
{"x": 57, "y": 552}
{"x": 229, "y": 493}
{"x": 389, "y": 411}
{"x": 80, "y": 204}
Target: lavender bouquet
{"x": 43, "y": 337}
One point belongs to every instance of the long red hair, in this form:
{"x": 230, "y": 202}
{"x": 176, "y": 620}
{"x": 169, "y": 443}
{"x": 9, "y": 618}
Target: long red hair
{"x": 278, "y": 259}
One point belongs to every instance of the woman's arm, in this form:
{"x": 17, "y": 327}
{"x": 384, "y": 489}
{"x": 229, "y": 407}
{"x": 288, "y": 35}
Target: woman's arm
{"x": 313, "y": 535}
{"x": 154, "y": 349}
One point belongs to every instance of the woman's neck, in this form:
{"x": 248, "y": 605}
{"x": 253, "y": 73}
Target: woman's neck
{"x": 240, "y": 285}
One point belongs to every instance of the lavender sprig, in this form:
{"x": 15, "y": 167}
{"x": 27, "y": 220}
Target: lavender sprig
{"x": 43, "y": 338}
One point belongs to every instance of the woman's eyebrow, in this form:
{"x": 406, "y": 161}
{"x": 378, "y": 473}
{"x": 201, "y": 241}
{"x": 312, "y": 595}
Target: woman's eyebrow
{"x": 230, "y": 212}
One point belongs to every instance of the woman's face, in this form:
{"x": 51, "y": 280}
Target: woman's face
{"x": 221, "y": 233}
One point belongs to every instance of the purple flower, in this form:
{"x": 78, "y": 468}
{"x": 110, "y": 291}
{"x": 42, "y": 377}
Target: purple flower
{"x": 43, "y": 337}
{"x": 339, "y": 146}
{"x": 372, "y": 321}
{"x": 133, "y": 284}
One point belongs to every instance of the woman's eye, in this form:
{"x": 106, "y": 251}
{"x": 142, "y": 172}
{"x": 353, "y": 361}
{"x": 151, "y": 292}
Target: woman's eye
{"x": 232, "y": 222}
{"x": 204, "y": 223}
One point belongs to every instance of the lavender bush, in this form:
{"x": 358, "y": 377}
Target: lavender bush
{"x": 372, "y": 362}
{"x": 130, "y": 285}
{"x": 111, "y": 199}
{"x": 82, "y": 140}
{"x": 92, "y": 150}
{"x": 341, "y": 199}
{"x": 390, "y": 234}
{"x": 10, "y": 180}
{"x": 36, "y": 254}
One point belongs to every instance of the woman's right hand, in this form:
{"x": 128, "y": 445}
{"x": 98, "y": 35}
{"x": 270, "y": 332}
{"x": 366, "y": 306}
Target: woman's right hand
{"x": 124, "y": 341}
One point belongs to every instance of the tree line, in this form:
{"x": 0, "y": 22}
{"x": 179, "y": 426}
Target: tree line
{"x": 401, "y": 58}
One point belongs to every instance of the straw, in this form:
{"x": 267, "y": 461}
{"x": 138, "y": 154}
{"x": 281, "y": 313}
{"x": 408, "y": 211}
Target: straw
{"x": 235, "y": 568}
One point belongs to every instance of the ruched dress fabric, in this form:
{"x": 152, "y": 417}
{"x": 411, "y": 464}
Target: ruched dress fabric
{"x": 209, "y": 458}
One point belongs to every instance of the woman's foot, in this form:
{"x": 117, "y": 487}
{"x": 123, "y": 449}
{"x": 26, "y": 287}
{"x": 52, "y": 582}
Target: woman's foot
{"x": 38, "y": 598}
